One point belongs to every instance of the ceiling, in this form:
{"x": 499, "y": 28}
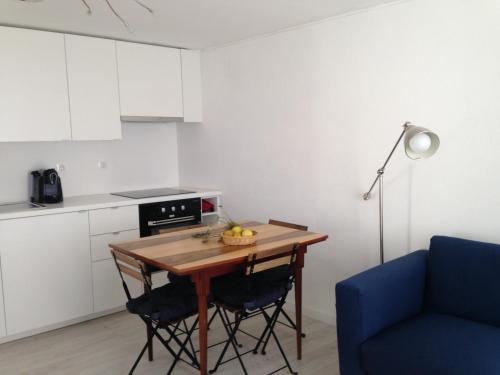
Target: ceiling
{"x": 181, "y": 23}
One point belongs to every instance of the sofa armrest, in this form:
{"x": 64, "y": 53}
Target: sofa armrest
{"x": 374, "y": 300}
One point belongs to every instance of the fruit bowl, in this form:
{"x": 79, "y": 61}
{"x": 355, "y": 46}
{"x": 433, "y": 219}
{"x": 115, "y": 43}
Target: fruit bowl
{"x": 239, "y": 241}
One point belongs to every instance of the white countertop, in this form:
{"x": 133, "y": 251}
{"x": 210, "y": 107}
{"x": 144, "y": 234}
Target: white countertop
{"x": 93, "y": 202}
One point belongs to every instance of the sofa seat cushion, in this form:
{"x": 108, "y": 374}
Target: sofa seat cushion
{"x": 434, "y": 344}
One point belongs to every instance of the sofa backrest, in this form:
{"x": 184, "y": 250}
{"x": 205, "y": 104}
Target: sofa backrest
{"x": 463, "y": 279}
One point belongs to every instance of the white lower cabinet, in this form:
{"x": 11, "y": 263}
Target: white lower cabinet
{"x": 113, "y": 225}
{"x": 100, "y": 244}
{"x": 46, "y": 270}
{"x": 114, "y": 219}
{"x": 108, "y": 289}
{"x": 107, "y": 285}
{"x": 3, "y": 330}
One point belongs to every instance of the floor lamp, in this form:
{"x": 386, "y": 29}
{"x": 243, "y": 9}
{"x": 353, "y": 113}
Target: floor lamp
{"x": 420, "y": 143}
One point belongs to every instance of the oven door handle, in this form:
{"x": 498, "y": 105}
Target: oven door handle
{"x": 157, "y": 223}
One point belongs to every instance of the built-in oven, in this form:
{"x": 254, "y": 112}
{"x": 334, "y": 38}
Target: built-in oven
{"x": 153, "y": 217}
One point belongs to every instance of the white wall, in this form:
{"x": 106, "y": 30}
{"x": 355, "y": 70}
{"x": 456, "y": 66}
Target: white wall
{"x": 146, "y": 157}
{"x": 297, "y": 123}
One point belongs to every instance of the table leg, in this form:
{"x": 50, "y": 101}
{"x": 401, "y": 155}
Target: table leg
{"x": 298, "y": 300}
{"x": 149, "y": 326}
{"x": 202, "y": 290}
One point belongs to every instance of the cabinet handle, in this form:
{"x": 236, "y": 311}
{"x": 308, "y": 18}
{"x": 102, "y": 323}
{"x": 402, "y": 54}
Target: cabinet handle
{"x": 114, "y": 208}
{"x": 82, "y": 211}
{"x": 115, "y": 233}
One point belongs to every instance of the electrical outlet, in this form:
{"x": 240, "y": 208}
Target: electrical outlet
{"x": 101, "y": 164}
{"x": 60, "y": 167}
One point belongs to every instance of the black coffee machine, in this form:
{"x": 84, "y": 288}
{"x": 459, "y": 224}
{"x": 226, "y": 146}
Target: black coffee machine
{"x": 46, "y": 186}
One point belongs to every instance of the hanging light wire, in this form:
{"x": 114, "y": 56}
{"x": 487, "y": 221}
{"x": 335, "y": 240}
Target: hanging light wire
{"x": 89, "y": 9}
{"x": 111, "y": 7}
{"x": 119, "y": 17}
{"x": 116, "y": 13}
{"x": 140, "y": 3}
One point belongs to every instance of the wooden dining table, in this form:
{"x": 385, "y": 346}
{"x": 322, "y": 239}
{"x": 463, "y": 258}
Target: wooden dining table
{"x": 182, "y": 253}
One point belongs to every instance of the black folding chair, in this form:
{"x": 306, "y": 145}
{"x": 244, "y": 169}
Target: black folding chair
{"x": 268, "y": 277}
{"x": 289, "y": 321}
{"x": 163, "y": 308}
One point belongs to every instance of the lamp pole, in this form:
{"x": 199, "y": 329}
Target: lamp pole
{"x": 380, "y": 179}
{"x": 420, "y": 143}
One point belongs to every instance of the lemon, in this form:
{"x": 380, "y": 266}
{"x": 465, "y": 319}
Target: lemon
{"x": 228, "y": 232}
{"x": 237, "y": 234}
{"x": 237, "y": 229}
{"x": 247, "y": 233}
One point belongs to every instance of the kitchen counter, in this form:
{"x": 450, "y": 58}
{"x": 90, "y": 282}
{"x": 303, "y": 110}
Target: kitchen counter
{"x": 95, "y": 201}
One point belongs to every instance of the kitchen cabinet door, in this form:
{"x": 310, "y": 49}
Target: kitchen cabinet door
{"x": 150, "y": 81}
{"x": 46, "y": 270}
{"x": 34, "y": 102}
{"x": 99, "y": 245}
{"x": 191, "y": 86}
{"x": 93, "y": 88}
{"x": 3, "y": 330}
{"x": 108, "y": 289}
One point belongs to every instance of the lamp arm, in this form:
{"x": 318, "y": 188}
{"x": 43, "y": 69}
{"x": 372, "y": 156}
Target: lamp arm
{"x": 381, "y": 170}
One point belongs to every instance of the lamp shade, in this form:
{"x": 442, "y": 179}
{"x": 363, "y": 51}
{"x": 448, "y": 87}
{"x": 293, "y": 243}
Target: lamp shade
{"x": 420, "y": 143}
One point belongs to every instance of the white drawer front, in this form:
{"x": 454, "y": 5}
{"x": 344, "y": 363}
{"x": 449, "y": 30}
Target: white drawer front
{"x": 99, "y": 243}
{"x": 115, "y": 219}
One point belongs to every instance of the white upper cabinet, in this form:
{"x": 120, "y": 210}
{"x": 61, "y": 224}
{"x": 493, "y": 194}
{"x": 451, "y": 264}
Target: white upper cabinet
{"x": 150, "y": 82}
{"x": 191, "y": 86}
{"x": 33, "y": 86}
{"x": 93, "y": 88}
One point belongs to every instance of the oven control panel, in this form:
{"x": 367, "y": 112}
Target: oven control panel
{"x": 160, "y": 215}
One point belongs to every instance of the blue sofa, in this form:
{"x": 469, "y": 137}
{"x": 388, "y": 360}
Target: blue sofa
{"x": 433, "y": 312}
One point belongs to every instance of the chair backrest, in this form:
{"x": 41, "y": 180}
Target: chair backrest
{"x": 269, "y": 259}
{"x": 133, "y": 268}
{"x": 288, "y": 225}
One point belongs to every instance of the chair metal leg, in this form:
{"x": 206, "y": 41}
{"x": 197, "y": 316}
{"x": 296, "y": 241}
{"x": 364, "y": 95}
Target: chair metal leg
{"x": 291, "y": 322}
{"x": 149, "y": 335}
{"x": 183, "y": 346}
{"x": 191, "y": 341}
{"x": 138, "y": 358}
{"x": 271, "y": 330}
{"x": 176, "y": 327}
{"x": 230, "y": 324}
{"x": 264, "y": 337}
{"x": 213, "y": 317}
{"x": 145, "y": 347}
{"x": 275, "y": 318}
{"x": 191, "y": 356}
{"x": 231, "y": 332}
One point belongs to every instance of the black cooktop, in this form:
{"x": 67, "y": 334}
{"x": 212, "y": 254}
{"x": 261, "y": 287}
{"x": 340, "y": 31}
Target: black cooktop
{"x": 151, "y": 193}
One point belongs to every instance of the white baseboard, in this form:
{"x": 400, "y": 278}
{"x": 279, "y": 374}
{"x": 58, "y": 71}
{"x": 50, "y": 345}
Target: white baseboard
{"x": 327, "y": 317}
{"x": 52, "y": 327}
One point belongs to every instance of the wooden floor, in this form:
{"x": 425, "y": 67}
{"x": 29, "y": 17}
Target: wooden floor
{"x": 109, "y": 345}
